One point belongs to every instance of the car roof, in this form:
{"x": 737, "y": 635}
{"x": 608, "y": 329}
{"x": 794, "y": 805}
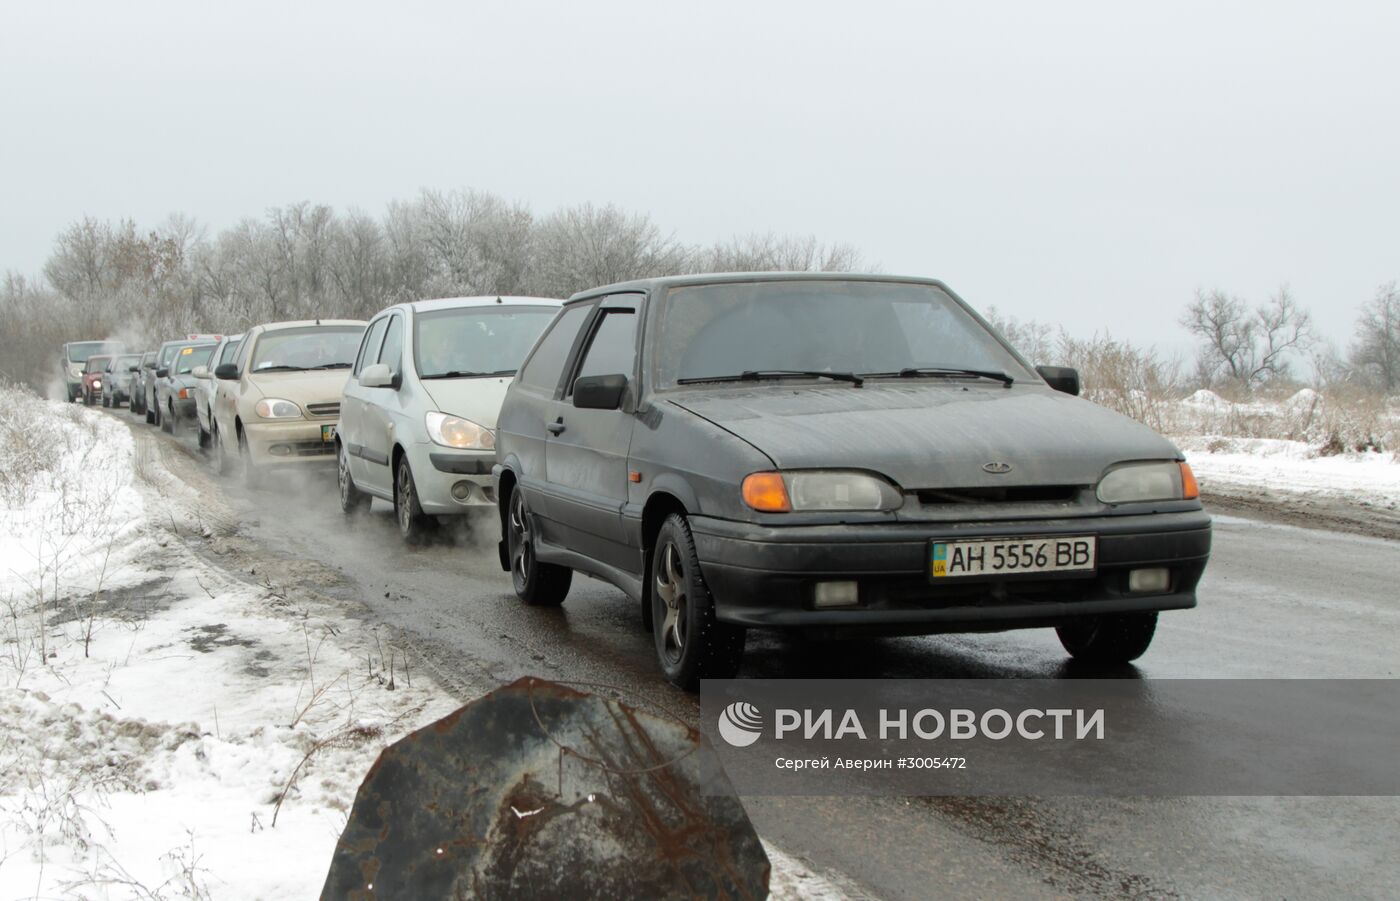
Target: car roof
{"x": 309, "y": 323}
{"x": 721, "y": 278}
{"x": 452, "y": 303}
{"x": 188, "y": 341}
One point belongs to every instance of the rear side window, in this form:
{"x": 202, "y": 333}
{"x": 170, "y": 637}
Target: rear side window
{"x": 392, "y": 354}
{"x": 613, "y": 349}
{"x": 546, "y": 365}
{"x": 370, "y": 349}
{"x": 229, "y": 350}
{"x": 167, "y": 354}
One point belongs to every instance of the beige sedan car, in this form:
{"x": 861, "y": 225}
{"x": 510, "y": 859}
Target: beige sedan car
{"x": 277, "y": 404}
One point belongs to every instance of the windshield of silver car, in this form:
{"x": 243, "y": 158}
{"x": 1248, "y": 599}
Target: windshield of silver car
{"x": 308, "y": 347}
{"x": 475, "y": 341}
{"x": 754, "y": 330}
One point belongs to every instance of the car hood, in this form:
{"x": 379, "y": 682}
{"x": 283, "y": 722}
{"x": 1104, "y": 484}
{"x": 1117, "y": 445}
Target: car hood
{"x": 477, "y": 399}
{"x": 317, "y": 386}
{"x": 932, "y": 435}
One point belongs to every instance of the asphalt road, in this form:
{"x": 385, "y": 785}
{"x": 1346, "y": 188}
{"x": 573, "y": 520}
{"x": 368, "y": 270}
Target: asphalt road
{"x": 1277, "y": 601}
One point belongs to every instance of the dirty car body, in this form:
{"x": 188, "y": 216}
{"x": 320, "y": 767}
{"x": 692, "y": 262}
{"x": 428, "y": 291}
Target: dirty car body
{"x": 839, "y": 454}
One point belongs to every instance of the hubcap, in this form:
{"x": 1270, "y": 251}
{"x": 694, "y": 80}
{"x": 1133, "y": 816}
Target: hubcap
{"x": 520, "y": 549}
{"x": 670, "y": 588}
{"x": 343, "y": 474}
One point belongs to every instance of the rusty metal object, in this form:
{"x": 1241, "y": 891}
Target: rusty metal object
{"x": 540, "y": 791}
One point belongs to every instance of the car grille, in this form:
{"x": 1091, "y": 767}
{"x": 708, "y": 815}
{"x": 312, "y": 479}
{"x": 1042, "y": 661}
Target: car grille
{"x": 323, "y": 409}
{"x": 1015, "y": 494}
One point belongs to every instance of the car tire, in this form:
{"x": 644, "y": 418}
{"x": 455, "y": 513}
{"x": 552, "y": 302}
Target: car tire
{"x": 106, "y": 404}
{"x": 352, "y": 499}
{"x": 167, "y": 420}
{"x": 1115, "y": 638}
{"x": 223, "y": 460}
{"x": 251, "y": 477}
{"x": 204, "y": 437}
{"x": 537, "y": 584}
{"x": 414, "y": 524}
{"x": 691, "y": 644}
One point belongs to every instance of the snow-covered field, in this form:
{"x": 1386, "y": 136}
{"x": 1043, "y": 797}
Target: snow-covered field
{"x": 167, "y": 729}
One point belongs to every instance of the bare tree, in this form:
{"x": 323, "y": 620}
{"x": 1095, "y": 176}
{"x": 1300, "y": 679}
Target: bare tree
{"x": 774, "y": 253}
{"x": 1375, "y": 350}
{"x": 584, "y": 246}
{"x": 1247, "y": 346}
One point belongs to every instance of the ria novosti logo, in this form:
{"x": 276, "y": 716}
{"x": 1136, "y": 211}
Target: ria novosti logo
{"x": 741, "y": 724}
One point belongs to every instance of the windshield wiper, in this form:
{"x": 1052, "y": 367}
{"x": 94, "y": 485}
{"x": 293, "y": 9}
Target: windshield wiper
{"x": 280, "y": 367}
{"x": 915, "y": 372}
{"x": 753, "y": 375}
{"x": 331, "y": 366}
{"x": 465, "y": 374}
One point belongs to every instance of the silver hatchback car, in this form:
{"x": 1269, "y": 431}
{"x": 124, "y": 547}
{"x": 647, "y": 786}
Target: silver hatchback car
{"x": 418, "y": 415}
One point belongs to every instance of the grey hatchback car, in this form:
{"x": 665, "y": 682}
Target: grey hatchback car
{"x": 836, "y": 454}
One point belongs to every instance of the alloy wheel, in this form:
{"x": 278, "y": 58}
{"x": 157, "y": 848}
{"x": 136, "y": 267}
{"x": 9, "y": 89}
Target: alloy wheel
{"x": 671, "y": 589}
{"x": 521, "y": 547}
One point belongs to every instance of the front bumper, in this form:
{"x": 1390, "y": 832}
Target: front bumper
{"x": 295, "y": 443}
{"x": 764, "y": 575}
{"x": 438, "y": 471}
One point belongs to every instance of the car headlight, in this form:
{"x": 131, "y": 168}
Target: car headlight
{"x": 276, "y": 408}
{"x": 76, "y": 372}
{"x": 1140, "y": 482}
{"x": 97, "y": 383}
{"x": 818, "y": 490}
{"x": 454, "y": 431}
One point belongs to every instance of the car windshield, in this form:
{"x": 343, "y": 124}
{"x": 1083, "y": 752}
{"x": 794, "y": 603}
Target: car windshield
{"x": 190, "y": 357}
{"x": 466, "y": 341}
{"x": 124, "y": 364}
{"x": 79, "y": 353}
{"x": 860, "y": 328}
{"x": 309, "y": 347}
{"x": 97, "y": 364}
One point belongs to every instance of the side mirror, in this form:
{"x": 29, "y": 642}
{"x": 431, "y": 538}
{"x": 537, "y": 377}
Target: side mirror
{"x": 162, "y": 372}
{"x": 377, "y": 376}
{"x": 226, "y": 371}
{"x": 599, "y": 392}
{"x": 133, "y": 369}
{"x": 200, "y": 372}
{"x": 1061, "y": 378}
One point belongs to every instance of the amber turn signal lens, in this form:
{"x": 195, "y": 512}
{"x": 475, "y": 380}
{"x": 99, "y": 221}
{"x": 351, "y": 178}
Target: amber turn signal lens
{"x": 766, "y": 492}
{"x": 1189, "y": 489}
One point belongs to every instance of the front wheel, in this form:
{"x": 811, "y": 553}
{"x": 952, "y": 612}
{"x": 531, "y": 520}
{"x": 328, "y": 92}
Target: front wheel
{"x": 691, "y": 644}
{"x": 1115, "y": 638}
{"x": 414, "y": 524}
{"x": 537, "y": 584}
{"x": 223, "y": 458}
{"x": 251, "y": 476}
{"x": 168, "y": 421}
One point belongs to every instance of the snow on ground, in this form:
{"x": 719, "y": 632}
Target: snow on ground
{"x": 1292, "y": 468}
{"x": 154, "y": 709}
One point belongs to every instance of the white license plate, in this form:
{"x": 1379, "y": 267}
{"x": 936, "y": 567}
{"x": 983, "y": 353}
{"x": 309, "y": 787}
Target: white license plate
{"x": 1012, "y": 556}
{"x": 327, "y": 433}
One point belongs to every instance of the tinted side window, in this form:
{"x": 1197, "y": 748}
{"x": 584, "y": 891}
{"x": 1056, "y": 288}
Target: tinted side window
{"x": 242, "y": 359}
{"x": 546, "y": 364}
{"x": 230, "y": 349}
{"x": 392, "y": 354}
{"x": 369, "y": 350}
{"x": 613, "y": 348}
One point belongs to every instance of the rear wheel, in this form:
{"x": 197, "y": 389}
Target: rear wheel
{"x": 1116, "y": 638}
{"x": 537, "y": 584}
{"x": 352, "y": 499}
{"x": 691, "y": 644}
{"x": 414, "y": 524}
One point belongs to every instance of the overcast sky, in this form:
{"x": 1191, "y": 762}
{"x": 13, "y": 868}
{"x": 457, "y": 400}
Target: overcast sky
{"x": 1086, "y": 164}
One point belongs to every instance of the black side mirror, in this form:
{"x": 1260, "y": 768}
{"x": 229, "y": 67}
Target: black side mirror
{"x": 1061, "y": 378}
{"x": 151, "y": 365}
{"x": 599, "y": 392}
{"x": 226, "y": 371}
{"x": 162, "y": 372}
{"x": 133, "y": 369}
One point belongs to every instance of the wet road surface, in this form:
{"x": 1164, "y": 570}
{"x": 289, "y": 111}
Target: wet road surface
{"x": 1276, "y": 601}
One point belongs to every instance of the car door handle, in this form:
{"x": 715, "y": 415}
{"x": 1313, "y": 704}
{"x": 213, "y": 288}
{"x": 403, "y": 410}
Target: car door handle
{"x": 555, "y": 427}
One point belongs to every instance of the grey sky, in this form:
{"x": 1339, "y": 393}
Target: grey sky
{"x": 1089, "y": 164}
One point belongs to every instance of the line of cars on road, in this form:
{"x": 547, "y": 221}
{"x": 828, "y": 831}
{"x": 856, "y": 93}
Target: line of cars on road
{"x": 831, "y": 454}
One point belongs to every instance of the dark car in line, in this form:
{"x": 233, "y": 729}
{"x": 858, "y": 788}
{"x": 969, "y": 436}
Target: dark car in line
{"x": 151, "y": 373}
{"x": 176, "y": 385}
{"x": 835, "y": 454}
{"x": 145, "y": 372}
{"x": 116, "y": 383}
{"x": 94, "y": 373}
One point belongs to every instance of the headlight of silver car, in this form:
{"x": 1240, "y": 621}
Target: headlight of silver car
{"x": 75, "y": 371}
{"x": 276, "y": 408}
{"x": 454, "y": 431}
{"x": 1140, "y": 482}
{"x": 818, "y": 490}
